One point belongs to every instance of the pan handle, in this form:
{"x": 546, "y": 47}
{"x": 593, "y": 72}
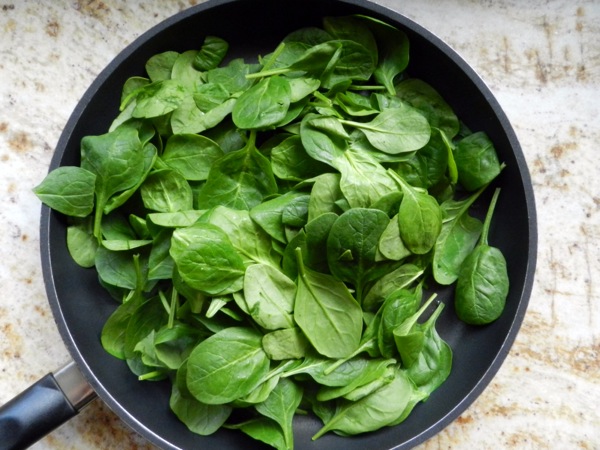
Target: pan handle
{"x": 43, "y": 406}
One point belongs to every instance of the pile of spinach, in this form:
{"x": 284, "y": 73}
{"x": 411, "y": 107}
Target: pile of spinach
{"x": 270, "y": 229}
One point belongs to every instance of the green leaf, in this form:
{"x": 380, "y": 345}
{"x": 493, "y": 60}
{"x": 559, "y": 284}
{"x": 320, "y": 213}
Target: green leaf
{"x": 263, "y": 105}
{"x": 69, "y": 190}
{"x": 352, "y": 245}
{"x": 419, "y": 219}
{"x": 239, "y": 180}
{"x": 226, "y": 366}
{"x": 281, "y": 406}
{"x": 199, "y": 417}
{"x": 285, "y": 344}
{"x": 159, "y": 98}
{"x": 476, "y": 160}
{"x": 373, "y": 411}
{"x": 211, "y": 53}
{"x": 191, "y": 154}
{"x": 483, "y": 283}
{"x": 159, "y": 66}
{"x": 327, "y": 313}
{"x": 396, "y": 130}
{"x": 270, "y": 296}
{"x": 166, "y": 191}
{"x": 206, "y": 260}
{"x": 458, "y": 237}
{"x": 430, "y": 103}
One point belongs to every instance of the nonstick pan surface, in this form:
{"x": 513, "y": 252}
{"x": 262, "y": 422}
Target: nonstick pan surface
{"x": 81, "y": 306}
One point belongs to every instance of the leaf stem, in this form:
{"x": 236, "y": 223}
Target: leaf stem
{"x": 173, "y": 308}
{"x": 488, "y": 218}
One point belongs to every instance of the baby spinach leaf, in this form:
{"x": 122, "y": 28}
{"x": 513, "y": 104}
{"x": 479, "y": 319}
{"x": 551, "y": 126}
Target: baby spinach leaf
{"x": 317, "y": 232}
{"x": 483, "y": 283}
{"x": 398, "y": 306}
{"x": 351, "y": 28}
{"x": 363, "y": 180}
{"x": 372, "y": 370}
{"x": 427, "y": 168}
{"x": 211, "y": 53}
{"x": 434, "y": 361}
{"x": 285, "y": 344}
{"x": 147, "y": 318}
{"x": 239, "y": 180}
{"x": 355, "y": 62}
{"x": 326, "y": 312}
{"x": 265, "y": 430}
{"x": 324, "y": 195}
{"x": 281, "y": 406}
{"x": 117, "y": 160}
{"x": 393, "y": 48}
{"x": 395, "y": 130}
{"x": 68, "y": 190}
{"x": 191, "y": 154}
{"x": 373, "y": 411}
{"x": 184, "y": 70}
{"x": 116, "y": 268}
{"x": 166, "y": 191}
{"x": 232, "y": 76}
{"x": 476, "y": 160}
{"x": 206, "y": 260}
{"x": 178, "y": 219}
{"x": 252, "y": 243}
{"x": 81, "y": 243}
{"x": 149, "y": 155}
{"x": 290, "y": 161}
{"x": 352, "y": 245}
{"x": 113, "y": 331}
{"x": 264, "y": 105}
{"x": 158, "y": 98}
{"x": 324, "y": 138}
{"x": 399, "y": 278}
{"x": 430, "y": 103}
{"x": 390, "y": 244}
{"x": 269, "y": 214}
{"x": 269, "y": 295}
{"x": 226, "y": 366}
{"x": 159, "y": 66}
{"x": 419, "y": 218}
{"x": 295, "y": 213}
{"x": 160, "y": 263}
{"x": 173, "y": 344}
{"x": 457, "y": 238}
{"x": 210, "y": 95}
{"x": 200, "y": 418}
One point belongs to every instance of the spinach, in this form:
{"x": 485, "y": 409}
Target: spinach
{"x": 326, "y": 312}
{"x": 206, "y": 260}
{"x": 456, "y": 240}
{"x": 240, "y": 179}
{"x": 482, "y": 285}
{"x": 476, "y": 161}
{"x": 268, "y": 230}
{"x": 69, "y": 190}
{"x": 352, "y": 246}
{"x": 233, "y": 353}
{"x": 419, "y": 219}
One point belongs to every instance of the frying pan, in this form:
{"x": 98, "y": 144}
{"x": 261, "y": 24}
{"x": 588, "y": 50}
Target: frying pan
{"x": 81, "y": 306}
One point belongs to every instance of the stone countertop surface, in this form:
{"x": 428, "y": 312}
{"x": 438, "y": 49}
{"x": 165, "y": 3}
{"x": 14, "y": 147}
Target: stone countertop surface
{"x": 541, "y": 59}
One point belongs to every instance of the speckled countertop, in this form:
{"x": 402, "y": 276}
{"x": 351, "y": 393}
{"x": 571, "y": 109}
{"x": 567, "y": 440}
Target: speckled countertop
{"x": 541, "y": 58}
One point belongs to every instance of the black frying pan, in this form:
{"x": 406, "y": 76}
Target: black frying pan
{"x": 80, "y": 306}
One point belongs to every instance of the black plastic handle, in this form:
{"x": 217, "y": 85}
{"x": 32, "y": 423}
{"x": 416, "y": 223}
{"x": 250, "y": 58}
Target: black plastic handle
{"x": 42, "y": 407}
